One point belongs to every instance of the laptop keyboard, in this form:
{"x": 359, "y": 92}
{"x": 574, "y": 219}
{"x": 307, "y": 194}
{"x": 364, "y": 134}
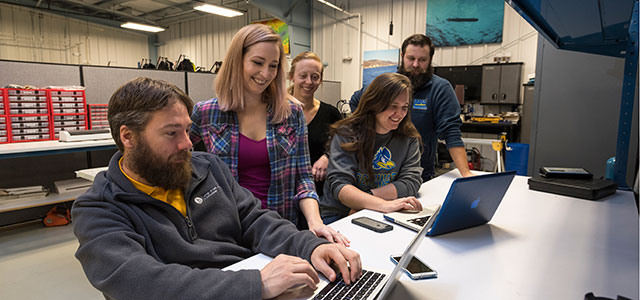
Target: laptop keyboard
{"x": 360, "y": 289}
{"x": 420, "y": 221}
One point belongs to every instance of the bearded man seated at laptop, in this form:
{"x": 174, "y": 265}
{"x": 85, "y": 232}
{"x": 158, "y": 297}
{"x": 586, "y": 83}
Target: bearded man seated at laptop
{"x": 161, "y": 222}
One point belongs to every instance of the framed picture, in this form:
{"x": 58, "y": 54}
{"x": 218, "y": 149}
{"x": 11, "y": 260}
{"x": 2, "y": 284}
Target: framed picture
{"x": 464, "y": 22}
{"x": 377, "y": 62}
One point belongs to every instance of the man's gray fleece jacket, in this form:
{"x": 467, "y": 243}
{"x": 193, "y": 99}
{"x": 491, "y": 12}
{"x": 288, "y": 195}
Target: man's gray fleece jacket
{"x": 135, "y": 247}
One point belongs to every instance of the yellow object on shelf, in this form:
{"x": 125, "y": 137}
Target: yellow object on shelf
{"x": 486, "y": 119}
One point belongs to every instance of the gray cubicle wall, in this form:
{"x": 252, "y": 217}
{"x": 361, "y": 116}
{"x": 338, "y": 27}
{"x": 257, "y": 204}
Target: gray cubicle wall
{"x": 576, "y": 111}
{"x": 201, "y": 86}
{"x": 101, "y": 82}
{"x": 38, "y": 74}
{"x": 329, "y": 92}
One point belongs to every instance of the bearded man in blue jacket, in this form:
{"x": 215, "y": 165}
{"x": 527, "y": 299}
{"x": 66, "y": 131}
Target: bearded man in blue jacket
{"x": 435, "y": 110}
{"x": 161, "y": 222}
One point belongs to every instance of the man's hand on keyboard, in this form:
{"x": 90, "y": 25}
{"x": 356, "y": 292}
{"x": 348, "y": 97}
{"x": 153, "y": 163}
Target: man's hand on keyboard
{"x": 285, "y": 272}
{"x": 347, "y": 261}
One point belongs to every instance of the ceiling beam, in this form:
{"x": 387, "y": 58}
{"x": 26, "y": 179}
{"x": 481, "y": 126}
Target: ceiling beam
{"x": 181, "y": 16}
{"x": 170, "y": 3}
{"x": 184, "y": 7}
{"x": 68, "y": 12}
{"x": 111, "y": 3}
{"x": 291, "y": 7}
{"x": 113, "y": 12}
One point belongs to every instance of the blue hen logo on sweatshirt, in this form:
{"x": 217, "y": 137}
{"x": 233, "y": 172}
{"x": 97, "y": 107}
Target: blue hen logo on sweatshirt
{"x": 382, "y": 159}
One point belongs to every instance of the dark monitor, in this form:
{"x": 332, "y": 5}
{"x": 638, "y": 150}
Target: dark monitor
{"x": 468, "y": 76}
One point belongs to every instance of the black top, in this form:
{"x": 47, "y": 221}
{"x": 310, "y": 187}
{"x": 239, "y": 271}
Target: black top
{"x": 319, "y": 130}
{"x": 319, "y": 133}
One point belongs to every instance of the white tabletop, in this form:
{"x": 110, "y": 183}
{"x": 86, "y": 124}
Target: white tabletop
{"x": 537, "y": 246}
{"x": 44, "y": 146}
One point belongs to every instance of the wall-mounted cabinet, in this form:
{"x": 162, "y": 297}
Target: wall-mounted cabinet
{"x": 501, "y": 83}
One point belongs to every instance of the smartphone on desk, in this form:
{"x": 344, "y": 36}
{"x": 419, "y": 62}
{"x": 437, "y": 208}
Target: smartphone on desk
{"x": 416, "y": 269}
{"x": 372, "y": 224}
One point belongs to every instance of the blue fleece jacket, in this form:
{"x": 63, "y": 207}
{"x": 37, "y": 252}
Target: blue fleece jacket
{"x": 135, "y": 247}
{"x": 435, "y": 112}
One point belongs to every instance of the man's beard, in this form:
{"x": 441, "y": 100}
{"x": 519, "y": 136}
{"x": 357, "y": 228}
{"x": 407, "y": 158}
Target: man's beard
{"x": 158, "y": 172}
{"x": 418, "y": 77}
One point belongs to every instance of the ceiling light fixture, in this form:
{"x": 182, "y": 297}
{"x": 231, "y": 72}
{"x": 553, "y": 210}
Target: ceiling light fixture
{"x": 218, "y": 10}
{"x": 142, "y": 27}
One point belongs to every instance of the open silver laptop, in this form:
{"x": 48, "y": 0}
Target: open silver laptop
{"x": 372, "y": 285}
{"x": 412, "y": 220}
{"x": 471, "y": 201}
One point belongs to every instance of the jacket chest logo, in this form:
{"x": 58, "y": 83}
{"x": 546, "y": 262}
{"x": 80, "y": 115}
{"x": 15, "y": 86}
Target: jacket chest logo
{"x": 209, "y": 193}
{"x": 420, "y": 104}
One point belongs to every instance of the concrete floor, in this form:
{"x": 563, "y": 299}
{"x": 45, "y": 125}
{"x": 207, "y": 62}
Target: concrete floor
{"x": 38, "y": 262}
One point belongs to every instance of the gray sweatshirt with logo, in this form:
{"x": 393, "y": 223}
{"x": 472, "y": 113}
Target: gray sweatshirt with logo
{"x": 396, "y": 161}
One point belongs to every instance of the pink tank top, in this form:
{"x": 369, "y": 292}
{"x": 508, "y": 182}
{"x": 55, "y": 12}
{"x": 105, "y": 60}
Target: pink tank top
{"x": 254, "y": 171}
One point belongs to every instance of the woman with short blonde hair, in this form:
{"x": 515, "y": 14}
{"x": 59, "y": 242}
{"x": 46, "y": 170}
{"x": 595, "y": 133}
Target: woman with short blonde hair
{"x": 306, "y": 76}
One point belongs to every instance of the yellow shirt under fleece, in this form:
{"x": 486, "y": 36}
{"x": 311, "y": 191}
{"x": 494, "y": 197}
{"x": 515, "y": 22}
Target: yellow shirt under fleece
{"x": 175, "y": 197}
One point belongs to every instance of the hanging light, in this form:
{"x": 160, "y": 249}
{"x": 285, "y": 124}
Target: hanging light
{"x": 137, "y": 26}
{"x": 218, "y": 10}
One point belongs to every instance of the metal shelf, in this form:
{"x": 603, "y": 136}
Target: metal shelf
{"x": 29, "y": 149}
{"x": 52, "y": 198}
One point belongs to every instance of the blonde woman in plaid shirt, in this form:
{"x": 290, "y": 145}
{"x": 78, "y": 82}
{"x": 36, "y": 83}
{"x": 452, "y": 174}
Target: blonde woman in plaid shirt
{"x": 259, "y": 131}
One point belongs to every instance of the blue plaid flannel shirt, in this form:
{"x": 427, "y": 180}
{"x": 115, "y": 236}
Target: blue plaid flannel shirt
{"x": 287, "y": 144}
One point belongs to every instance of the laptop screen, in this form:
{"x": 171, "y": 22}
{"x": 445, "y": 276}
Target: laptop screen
{"x": 406, "y": 257}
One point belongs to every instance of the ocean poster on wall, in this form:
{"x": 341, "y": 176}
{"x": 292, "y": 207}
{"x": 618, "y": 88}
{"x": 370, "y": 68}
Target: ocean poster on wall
{"x": 464, "y": 22}
{"x": 377, "y": 62}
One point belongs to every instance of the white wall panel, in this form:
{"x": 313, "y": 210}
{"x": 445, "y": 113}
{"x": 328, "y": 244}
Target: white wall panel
{"x": 32, "y": 35}
{"x": 335, "y": 38}
{"x": 409, "y": 17}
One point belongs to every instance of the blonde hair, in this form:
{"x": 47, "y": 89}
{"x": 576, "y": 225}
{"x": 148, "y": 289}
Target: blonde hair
{"x": 298, "y": 58}
{"x": 229, "y": 81}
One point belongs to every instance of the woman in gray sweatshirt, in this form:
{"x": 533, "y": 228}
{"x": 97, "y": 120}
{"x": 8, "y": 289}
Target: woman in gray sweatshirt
{"x": 375, "y": 154}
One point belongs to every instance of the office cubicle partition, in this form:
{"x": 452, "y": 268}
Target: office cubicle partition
{"x": 38, "y": 74}
{"x": 201, "y": 86}
{"x": 101, "y": 82}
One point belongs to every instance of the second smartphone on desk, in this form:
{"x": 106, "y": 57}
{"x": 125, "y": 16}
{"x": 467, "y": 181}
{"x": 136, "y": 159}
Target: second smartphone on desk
{"x": 416, "y": 269}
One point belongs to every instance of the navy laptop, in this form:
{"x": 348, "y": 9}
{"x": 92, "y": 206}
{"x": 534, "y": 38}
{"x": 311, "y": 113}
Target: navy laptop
{"x": 471, "y": 201}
